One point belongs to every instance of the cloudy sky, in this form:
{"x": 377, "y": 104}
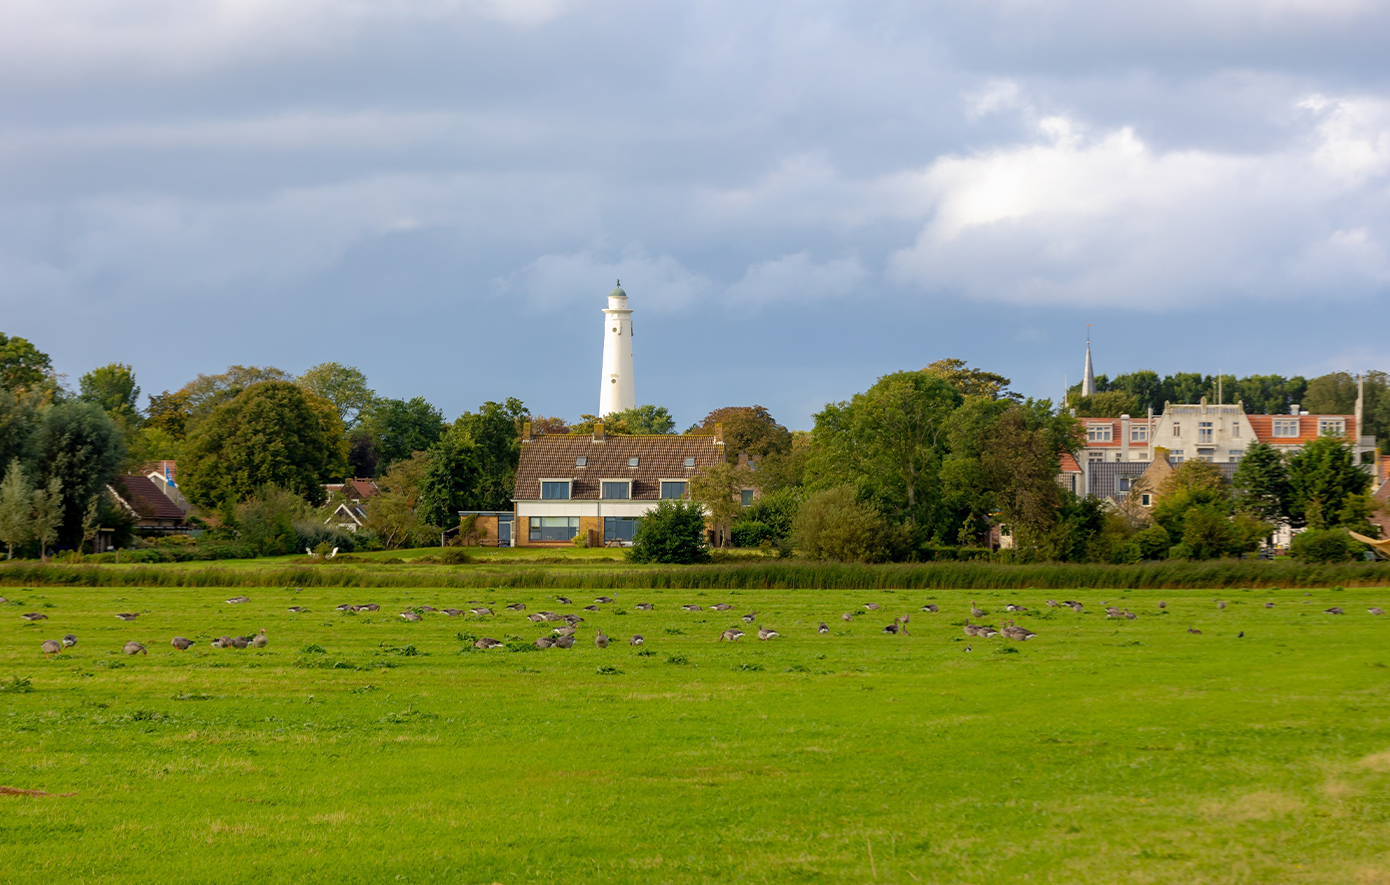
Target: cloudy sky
{"x": 799, "y": 196}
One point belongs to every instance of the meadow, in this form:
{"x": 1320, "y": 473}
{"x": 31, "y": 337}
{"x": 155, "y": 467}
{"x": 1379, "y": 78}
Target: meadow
{"x": 359, "y": 747}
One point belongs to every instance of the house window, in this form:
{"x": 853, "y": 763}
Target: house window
{"x": 1119, "y": 456}
{"x": 689, "y": 462}
{"x": 617, "y": 490}
{"x": 1286, "y": 428}
{"x": 1098, "y": 432}
{"x": 1333, "y": 426}
{"x": 1145, "y": 499}
{"x": 581, "y": 461}
{"x": 1175, "y": 456}
{"x": 554, "y": 528}
{"x": 672, "y": 489}
{"x": 1204, "y": 433}
{"x": 1235, "y": 429}
{"x": 1095, "y": 456}
{"x": 633, "y": 462}
{"x": 1139, "y": 434}
{"x": 555, "y": 489}
{"x": 620, "y": 528}
{"x": 746, "y": 497}
{"x": 1177, "y": 429}
{"x": 1122, "y": 483}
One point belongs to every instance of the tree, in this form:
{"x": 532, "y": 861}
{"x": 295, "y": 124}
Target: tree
{"x": 22, "y": 365}
{"x": 1020, "y": 461}
{"x": 1106, "y": 404}
{"x": 834, "y": 524}
{"x": 785, "y": 470}
{"x": 393, "y": 514}
{"x": 750, "y": 429}
{"x": 397, "y": 428}
{"x": 205, "y": 393}
{"x": 719, "y": 490}
{"x": 495, "y": 432}
{"x": 343, "y": 386}
{"x": 16, "y": 508}
{"x": 1331, "y": 394}
{"x": 271, "y": 433}
{"x": 81, "y": 448}
{"x": 452, "y": 480}
{"x": 21, "y": 416}
{"x": 645, "y": 420}
{"x": 671, "y": 532}
{"x": 265, "y": 521}
{"x": 112, "y": 387}
{"x": 543, "y": 424}
{"x": 169, "y": 413}
{"x": 888, "y": 442}
{"x": 48, "y": 515}
{"x": 1324, "y": 480}
{"x": 1262, "y": 483}
{"x": 971, "y": 382}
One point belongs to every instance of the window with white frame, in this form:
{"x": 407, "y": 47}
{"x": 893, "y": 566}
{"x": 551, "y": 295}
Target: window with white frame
{"x": 1235, "y": 429}
{"x": 1333, "y": 426}
{"x": 1205, "y": 433}
{"x": 1177, "y": 428}
{"x": 1139, "y": 434}
{"x": 1145, "y": 500}
{"x": 673, "y": 488}
{"x": 1099, "y": 432}
{"x": 554, "y": 528}
{"x": 1095, "y": 456}
{"x": 1285, "y": 428}
{"x": 1175, "y": 456}
{"x": 620, "y": 528}
{"x": 555, "y": 489}
{"x": 616, "y": 489}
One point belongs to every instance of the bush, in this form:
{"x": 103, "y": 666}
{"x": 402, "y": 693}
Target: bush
{"x": 1180, "y": 550}
{"x": 672, "y": 532}
{"x": 833, "y": 524}
{"x": 1153, "y": 542}
{"x": 751, "y": 533}
{"x": 1325, "y": 545}
{"x": 267, "y": 520}
{"x": 1127, "y": 553}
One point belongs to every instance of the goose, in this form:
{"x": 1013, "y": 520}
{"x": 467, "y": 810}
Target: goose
{"x": 592, "y": 608}
{"x": 1193, "y": 630}
{"x": 601, "y": 640}
{"x": 604, "y": 600}
{"x": 181, "y": 644}
{"x": 986, "y": 631}
{"x": 1076, "y": 607}
{"x": 347, "y": 606}
{"x": 536, "y": 618}
{"x": 427, "y": 608}
{"x": 480, "y": 611}
{"x": 645, "y": 607}
{"x": 846, "y": 617}
{"x": 237, "y": 600}
{"x": 970, "y": 629}
{"x": 34, "y": 616}
{"x": 872, "y": 606}
{"x": 370, "y": 607}
{"x": 3, "y": 600}
{"x": 720, "y": 607}
{"x": 487, "y": 642}
{"x": 127, "y": 616}
{"x": 134, "y": 648}
{"x": 1129, "y": 615}
{"x": 51, "y": 647}
{"x": 260, "y": 640}
{"x": 218, "y": 643}
{"x": 1014, "y": 607}
{"x": 552, "y": 616}
{"x": 1375, "y": 610}
{"x": 766, "y": 633}
{"x": 732, "y": 634}
{"x": 1334, "y": 610}
{"x": 822, "y": 628}
{"x": 240, "y": 642}
{"x": 691, "y": 608}
{"x": 750, "y": 617}
{"x": 931, "y": 607}
{"x": 976, "y": 610}
{"x": 411, "y": 616}
{"x": 69, "y": 641}
{"x": 636, "y": 639}
{"x": 1269, "y": 605}
{"x": 1220, "y": 604}
{"x": 1113, "y": 612}
{"x": 517, "y": 607}
{"x": 563, "y": 600}
{"x": 545, "y": 642}
{"x": 564, "y": 642}
{"x": 453, "y": 612}
{"x": 1052, "y": 603}
{"x": 1162, "y": 604}
{"x": 572, "y": 620}
{"x": 891, "y": 628}
{"x": 297, "y": 609}
{"x": 564, "y": 631}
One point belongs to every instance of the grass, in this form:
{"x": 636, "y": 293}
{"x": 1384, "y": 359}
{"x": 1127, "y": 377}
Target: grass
{"x": 362, "y": 748}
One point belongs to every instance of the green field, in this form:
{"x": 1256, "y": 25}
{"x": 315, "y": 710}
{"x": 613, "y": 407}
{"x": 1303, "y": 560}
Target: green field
{"x": 362, "y": 748}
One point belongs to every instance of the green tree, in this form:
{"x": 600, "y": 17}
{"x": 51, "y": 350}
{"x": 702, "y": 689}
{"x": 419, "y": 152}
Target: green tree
{"x": 645, "y": 420}
{"x": 750, "y": 429}
{"x": 343, "y": 386}
{"x": 169, "y": 413}
{"x": 1106, "y": 404}
{"x": 495, "y": 434}
{"x": 785, "y": 470}
{"x": 271, "y": 433}
{"x": 671, "y": 532}
{"x": 1020, "y": 461}
{"x": 393, "y": 430}
{"x": 112, "y": 387}
{"x": 393, "y": 515}
{"x": 888, "y": 442}
{"x": 16, "y": 508}
{"x": 83, "y": 449}
{"x": 834, "y": 524}
{"x": 971, "y": 382}
{"x": 719, "y": 490}
{"x": 22, "y": 365}
{"x": 265, "y": 521}
{"x": 1325, "y": 545}
{"x": 1331, "y": 394}
{"x": 48, "y": 515}
{"x": 1323, "y": 477}
{"x": 205, "y": 393}
{"x": 965, "y": 488}
{"x": 453, "y": 479}
{"x": 21, "y": 416}
{"x": 1262, "y": 483}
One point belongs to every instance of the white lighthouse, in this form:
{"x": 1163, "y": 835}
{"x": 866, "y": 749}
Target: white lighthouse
{"x": 617, "y": 393}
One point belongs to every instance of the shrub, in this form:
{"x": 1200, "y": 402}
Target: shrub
{"x": 1180, "y": 550}
{"x": 267, "y": 520}
{"x": 1153, "y": 542}
{"x": 1127, "y": 553}
{"x": 833, "y": 524}
{"x": 671, "y": 532}
{"x": 1325, "y": 545}
{"x": 751, "y": 533}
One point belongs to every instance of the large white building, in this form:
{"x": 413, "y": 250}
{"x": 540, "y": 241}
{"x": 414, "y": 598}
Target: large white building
{"x": 617, "y": 393}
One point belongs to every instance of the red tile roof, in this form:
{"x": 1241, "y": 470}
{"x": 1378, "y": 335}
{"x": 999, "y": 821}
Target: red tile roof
{"x": 1069, "y": 464}
{"x": 1263, "y": 425}
{"x": 360, "y": 488}
{"x": 146, "y": 499}
{"x": 659, "y": 457}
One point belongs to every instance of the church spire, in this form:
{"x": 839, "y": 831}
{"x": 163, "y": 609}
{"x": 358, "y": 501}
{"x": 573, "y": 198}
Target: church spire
{"x": 1088, "y": 380}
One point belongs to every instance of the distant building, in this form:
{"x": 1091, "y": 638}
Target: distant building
{"x": 154, "y": 513}
{"x": 617, "y": 391}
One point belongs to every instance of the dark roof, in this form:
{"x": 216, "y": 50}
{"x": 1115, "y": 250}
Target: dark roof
{"x": 659, "y": 457}
{"x": 1104, "y": 476}
{"x": 145, "y": 498}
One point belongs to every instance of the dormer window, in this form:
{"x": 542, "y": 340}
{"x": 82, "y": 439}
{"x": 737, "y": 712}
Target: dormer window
{"x": 617, "y": 489}
{"x": 555, "y": 489}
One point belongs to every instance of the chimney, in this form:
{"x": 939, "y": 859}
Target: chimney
{"x": 598, "y": 432}
{"x": 719, "y": 433}
{"x": 526, "y": 432}
{"x": 1294, "y": 409}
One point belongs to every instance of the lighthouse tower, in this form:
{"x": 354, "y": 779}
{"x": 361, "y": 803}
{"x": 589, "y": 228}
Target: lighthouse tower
{"x": 616, "y": 393}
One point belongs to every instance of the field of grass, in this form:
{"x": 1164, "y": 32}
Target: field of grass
{"x": 363, "y": 748}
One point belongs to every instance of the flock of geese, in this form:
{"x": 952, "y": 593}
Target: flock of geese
{"x": 563, "y": 636}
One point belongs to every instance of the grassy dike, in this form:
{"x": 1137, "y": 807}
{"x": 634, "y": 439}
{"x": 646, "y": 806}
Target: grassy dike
{"x": 363, "y": 748}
